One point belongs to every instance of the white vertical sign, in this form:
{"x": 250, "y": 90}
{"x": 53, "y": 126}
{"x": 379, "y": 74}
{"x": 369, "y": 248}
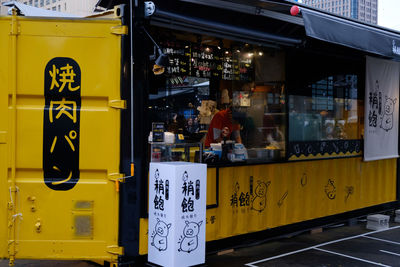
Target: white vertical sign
{"x": 177, "y": 213}
{"x": 381, "y": 109}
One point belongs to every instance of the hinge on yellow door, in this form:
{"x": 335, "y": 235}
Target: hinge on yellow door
{"x": 119, "y": 104}
{"x": 117, "y": 178}
{"x": 120, "y": 30}
{"x": 14, "y": 23}
{"x": 115, "y": 250}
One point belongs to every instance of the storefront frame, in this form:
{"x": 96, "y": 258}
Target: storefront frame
{"x": 138, "y": 187}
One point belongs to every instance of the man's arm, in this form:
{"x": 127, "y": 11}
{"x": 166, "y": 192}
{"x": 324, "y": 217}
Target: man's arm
{"x": 236, "y": 136}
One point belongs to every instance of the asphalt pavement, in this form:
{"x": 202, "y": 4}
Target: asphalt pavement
{"x": 338, "y": 246}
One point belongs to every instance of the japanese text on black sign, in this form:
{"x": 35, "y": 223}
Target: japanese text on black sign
{"x": 61, "y": 123}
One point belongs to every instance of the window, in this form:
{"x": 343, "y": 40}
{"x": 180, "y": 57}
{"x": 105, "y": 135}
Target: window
{"x": 325, "y": 105}
{"x": 30, "y": 2}
{"x": 59, "y": 7}
{"x": 248, "y": 81}
{"x": 47, "y": 2}
{"x": 54, "y": 8}
{"x": 41, "y": 3}
{"x": 36, "y": 3}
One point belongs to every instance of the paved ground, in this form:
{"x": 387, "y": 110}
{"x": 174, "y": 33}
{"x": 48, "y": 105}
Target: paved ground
{"x": 339, "y": 246}
{"x": 342, "y": 246}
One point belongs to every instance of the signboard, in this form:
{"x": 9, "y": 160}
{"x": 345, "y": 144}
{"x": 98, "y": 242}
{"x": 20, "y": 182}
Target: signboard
{"x": 206, "y": 62}
{"x": 189, "y": 59}
{"x": 61, "y": 125}
{"x": 158, "y": 131}
{"x": 179, "y": 58}
{"x": 381, "y": 109}
{"x": 177, "y": 213}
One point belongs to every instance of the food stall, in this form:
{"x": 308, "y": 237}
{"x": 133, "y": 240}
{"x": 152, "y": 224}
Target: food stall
{"x": 294, "y": 89}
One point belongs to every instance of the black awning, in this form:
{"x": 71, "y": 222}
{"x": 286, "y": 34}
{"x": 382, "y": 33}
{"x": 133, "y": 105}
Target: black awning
{"x": 269, "y": 22}
{"x": 178, "y": 21}
{"x": 351, "y": 34}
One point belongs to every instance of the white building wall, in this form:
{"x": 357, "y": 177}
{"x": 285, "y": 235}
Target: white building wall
{"x": 76, "y": 7}
{"x": 367, "y": 9}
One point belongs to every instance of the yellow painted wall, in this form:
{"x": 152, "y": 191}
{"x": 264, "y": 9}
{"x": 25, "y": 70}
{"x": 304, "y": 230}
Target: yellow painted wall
{"x": 52, "y": 219}
{"x": 287, "y": 193}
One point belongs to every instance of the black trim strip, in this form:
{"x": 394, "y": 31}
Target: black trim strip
{"x": 251, "y": 9}
{"x": 250, "y": 239}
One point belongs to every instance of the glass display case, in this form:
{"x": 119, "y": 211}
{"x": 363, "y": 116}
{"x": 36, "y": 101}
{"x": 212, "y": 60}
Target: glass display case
{"x": 164, "y": 152}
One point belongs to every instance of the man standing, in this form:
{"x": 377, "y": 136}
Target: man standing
{"x": 222, "y": 127}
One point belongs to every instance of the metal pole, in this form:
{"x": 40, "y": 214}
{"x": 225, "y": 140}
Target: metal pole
{"x": 131, "y": 84}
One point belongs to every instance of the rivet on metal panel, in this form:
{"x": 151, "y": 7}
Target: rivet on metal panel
{"x": 38, "y": 225}
{"x": 32, "y": 199}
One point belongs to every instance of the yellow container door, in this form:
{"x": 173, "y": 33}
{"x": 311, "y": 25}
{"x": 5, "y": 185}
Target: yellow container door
{"x": 60, "y": 110}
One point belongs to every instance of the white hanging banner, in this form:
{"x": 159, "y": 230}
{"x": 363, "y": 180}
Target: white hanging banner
{"x": 381, "y": 109}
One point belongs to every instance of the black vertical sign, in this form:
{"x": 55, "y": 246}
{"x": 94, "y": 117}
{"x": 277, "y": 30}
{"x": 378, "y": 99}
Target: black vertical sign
{"x": 62, "y": 91}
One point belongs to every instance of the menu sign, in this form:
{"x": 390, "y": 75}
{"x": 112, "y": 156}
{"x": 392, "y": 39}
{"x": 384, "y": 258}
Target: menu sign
{"x": 201, "y": 61}
{"x": 227, "y": 71}
{"x": 179, "y": 58}
{"x": 206, "y": 62}
{"x": 246, "y": 68}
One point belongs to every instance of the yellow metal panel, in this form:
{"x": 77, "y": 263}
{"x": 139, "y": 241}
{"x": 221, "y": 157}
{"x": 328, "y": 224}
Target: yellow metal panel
{"x": 4, "y": 132}
{"x": 143, "y": 236}
{"x": 301, "y": 191}
{"x": 256, "y": 198}
{"x": 211, "y": 186}
{"x": 62, "y": 224}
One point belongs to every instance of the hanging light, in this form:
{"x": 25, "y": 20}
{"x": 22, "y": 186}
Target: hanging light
{"x": 162, "y": 61}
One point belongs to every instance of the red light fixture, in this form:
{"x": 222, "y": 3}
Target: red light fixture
{"x": 294, "y": 10}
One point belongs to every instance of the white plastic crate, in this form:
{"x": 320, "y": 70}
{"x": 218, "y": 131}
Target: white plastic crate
{"x": 397, "y": 218}
{"x": 378, "y": 222}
